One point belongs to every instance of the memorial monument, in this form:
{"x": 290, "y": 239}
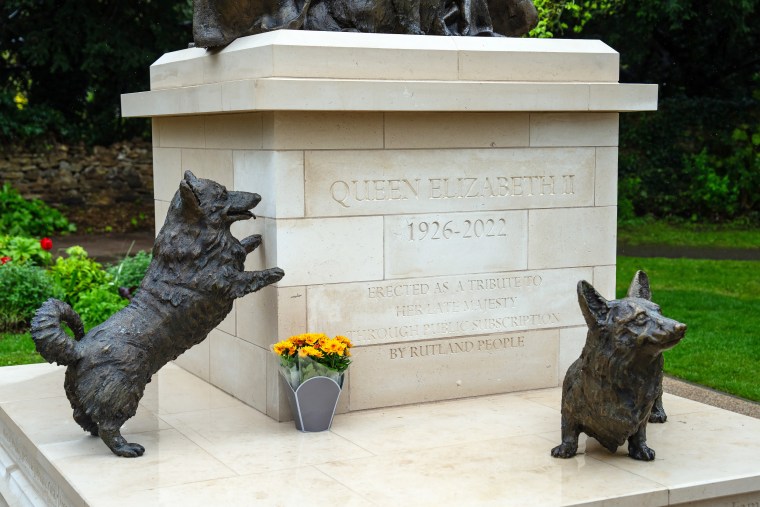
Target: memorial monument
{"x": 434, "y": 199}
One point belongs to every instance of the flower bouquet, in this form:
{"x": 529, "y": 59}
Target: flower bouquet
{"x": 311, "y": 355}
{"x": 313, "y": 366}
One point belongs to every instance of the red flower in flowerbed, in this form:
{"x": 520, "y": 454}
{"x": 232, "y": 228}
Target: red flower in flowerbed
{"x": 3, "y": 260}
{"x": 46, "y": 244}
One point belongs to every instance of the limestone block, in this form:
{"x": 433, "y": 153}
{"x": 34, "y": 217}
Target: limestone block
{"x": 453, "y": 368}
{"x": 178, "y": 68}
{"x": 211, "y": 164}
{"x": 271, "y": 315}
{"x": 414, "y": 309}
{"x": 423, "y": 181}
{"x": 606, "y": 181}
{"x": 622, "y": 97}
{"x": 330, "y": 250}
{"x": 456, "y": 130}
{"x": 167, "y": 172}
{"x": 455, "y": 243}
{"x": 234, "y": 131}
{"x": 571, "y": 237}
{"x": 515, "y": 59}
{"x": 275, "y": 175}
{"x": 318, "y": 250}
{"x": 287, "y": 94}
{"x": 286, "y": 130}
{"x": 181, "y": 131}
{"x": 574, "y": 129}
{"x": 173, "y": 101}
{"x": 238, "y": 368}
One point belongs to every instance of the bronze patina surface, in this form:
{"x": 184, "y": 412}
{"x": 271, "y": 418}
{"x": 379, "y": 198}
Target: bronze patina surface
{"x": 196, "y": 274}
{"x": 219, "y": 22}
{"x": 613, "y": 389}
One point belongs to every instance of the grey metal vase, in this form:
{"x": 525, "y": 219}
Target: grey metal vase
{"x": 313, "y": 402}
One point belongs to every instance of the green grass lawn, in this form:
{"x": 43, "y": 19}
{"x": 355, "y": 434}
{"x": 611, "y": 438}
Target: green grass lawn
{"x": 646, "y": 232}
{"x": 18, "y": 349}
{"x": 720, "y": 303}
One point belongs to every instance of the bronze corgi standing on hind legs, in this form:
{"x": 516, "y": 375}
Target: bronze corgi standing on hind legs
{"x": 610, "y": 391}
{"x": 196, "y": 274}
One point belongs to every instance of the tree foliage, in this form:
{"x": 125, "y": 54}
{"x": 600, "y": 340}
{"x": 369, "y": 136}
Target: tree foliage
{"x": 697, "y": 157}
{"x": 65, "y": 63}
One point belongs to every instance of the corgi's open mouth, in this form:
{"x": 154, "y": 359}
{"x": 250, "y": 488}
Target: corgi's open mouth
{"x": 669, "y": 342}
{"x": 236, "y": 215}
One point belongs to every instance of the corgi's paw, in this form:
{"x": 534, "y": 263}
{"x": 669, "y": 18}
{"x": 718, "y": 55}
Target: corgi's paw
{"x": 641, "y": 452}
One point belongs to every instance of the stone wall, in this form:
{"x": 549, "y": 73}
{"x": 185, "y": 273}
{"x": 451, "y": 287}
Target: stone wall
{"x": 98, "y": 188}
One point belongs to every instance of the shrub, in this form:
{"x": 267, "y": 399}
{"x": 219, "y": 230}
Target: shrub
{"x": 689, "y": 160}
{"x": 130, "y": 271}
{"x": 77, "y": 274}
{"x": 20, "y": 121}
{"x": 24, "y": 250}
{"x": 97, "y": 304}
{"x": 29, "y": 217}
{"x": 23, "y": 288}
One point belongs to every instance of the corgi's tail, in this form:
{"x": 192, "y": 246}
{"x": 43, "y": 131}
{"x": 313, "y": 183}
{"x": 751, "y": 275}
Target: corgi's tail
{"x": 51, "y": 341}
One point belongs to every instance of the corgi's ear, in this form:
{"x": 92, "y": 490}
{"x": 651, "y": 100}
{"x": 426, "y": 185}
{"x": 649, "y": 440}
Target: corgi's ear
{"x": 640, "y": 286}
{"x": 593, "y": 305}
{"x": 190, "y": 202}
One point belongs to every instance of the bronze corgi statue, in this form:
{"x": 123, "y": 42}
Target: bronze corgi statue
{"x": 610, "y": 391}
{"x": 196, "y": 274}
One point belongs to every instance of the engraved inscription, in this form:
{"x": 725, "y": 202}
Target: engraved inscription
{"x": 451, "y": 306}
{"x": 391, "y": 182}
{"x": 466, "y": 229}
{"x": 348, "y": 193}
{"x": 746, "y": 504}
{"x": 455, "y": 367}
{"x": 435, "y": 244}
{"x": 464, "y": 346}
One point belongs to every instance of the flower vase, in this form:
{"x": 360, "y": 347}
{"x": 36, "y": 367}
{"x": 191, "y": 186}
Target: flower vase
{"x": 313, "y": 402}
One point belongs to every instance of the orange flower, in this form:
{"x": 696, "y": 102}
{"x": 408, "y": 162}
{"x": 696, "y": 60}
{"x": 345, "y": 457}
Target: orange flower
{"x": 345, "y": 340}
{"x": 333, "y": 346}
{"x": 284, "y": 348}
{"x": 309, "y": 351}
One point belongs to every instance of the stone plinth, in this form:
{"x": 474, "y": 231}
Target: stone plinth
{"x": 436, "y": 199}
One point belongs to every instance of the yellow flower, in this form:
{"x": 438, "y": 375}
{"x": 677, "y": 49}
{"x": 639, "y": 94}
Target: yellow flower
{"x": 21, "y": 101}
{"x": 333, "y": 346}
{"x": 309, "y": 351}
{"x": 284, "y": 348}
{"x": 313, "y": 338}
{"x": 297, "y": 340}
{"x": 345, "y": 340}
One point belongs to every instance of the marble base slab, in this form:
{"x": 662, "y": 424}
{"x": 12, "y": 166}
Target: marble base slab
{"x": 204, "y": 447}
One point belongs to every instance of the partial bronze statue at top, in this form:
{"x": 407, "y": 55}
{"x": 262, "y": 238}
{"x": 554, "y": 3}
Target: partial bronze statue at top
{"x": 219, "y": 22}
